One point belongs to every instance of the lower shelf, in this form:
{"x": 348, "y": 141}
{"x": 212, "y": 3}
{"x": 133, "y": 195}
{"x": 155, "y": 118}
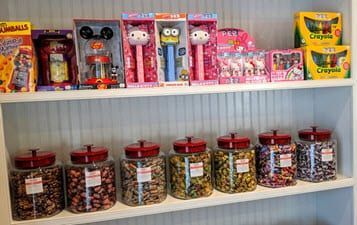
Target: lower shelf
{"x": 171, "y": 204}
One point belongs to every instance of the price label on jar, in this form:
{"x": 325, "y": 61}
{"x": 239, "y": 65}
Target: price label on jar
{"x": 242, "y": 165}
{"x": 196, "y": 169}
{"x": 326, "y": 155}
{"x": 285, "y": 160}
{"x": 143, "y": 174}
{"x": 34, "y": 185}
{"x": 93, "y": 178}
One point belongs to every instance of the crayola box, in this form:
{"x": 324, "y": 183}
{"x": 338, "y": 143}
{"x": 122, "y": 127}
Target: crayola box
{"x": 18, "y": 68}
{"x": 318, "y": 28}
{"x": 327, "y": 62}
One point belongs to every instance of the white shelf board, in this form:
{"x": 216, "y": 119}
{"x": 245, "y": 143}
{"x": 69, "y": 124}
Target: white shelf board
{"x": 171, "y": 204}
{"x": 167, "y": 91}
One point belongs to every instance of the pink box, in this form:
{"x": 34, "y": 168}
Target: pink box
{"x": 233, "y": 40}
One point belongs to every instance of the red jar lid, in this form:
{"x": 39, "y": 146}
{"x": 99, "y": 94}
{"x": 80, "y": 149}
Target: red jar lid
{"x": 273, "y": 138}
{"x": 35, "y": 159}
{"x": 89, "y": 154}
{"x": 190, "y": 145}
{"x": 98, "y": 59}
{"x": 315, "y": 134}
{"x": 142, "y": 149}
{"x": 233, "y": 141}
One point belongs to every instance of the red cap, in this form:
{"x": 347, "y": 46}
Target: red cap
{"x": 97, "y": 59}
{"x": 190, "y": 145}
{"x": 233, "y": 141}
{"x": 142, "y": 149}
{"x": 273, "y": 138}
{"x": 315, "y": 134}
{"x": 89, "y": 154}
{"x": 35, "y": 159}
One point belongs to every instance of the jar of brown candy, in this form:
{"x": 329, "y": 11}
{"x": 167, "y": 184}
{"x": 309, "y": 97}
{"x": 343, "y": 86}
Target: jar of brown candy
{"x": 316, "y": 155}
{"x": 190, "y": 169}
{"x": 36, "y": 185}
{"x": 143, "y": 174}
{"x": 234, "y": 164}
{"x": 276, "y": 160}
{"x": 90, "y": 180}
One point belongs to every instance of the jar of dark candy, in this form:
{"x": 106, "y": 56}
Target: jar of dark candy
{"x": 316, "y": 155}
{"x": 276, "y": 160}
{"x": 36, "y": 185}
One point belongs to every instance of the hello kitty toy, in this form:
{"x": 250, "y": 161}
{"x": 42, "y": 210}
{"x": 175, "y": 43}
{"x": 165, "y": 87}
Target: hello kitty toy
{"x": 198, "y": 38}
{"x": 249, "y": 68}
{"x": 236, "y": 67}
{"x": 260, "y": 64}
{"x": 224, "y": 65}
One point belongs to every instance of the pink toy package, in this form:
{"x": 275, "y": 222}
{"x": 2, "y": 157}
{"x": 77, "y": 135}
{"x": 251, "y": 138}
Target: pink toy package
{"x": 254, "y": 67}
{"x": 232, "y": 40}
{"x": 203, "y": 48}
{"x": 285, "y": 65}
{"x": 230, "y": 68}
{"x": 139, "y": 46}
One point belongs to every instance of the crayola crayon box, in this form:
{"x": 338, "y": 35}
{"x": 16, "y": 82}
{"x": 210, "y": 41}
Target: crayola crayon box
{"x": 327, "y": 62}
{"x": 18, "y": 64}
{"x": 318, "y": 28}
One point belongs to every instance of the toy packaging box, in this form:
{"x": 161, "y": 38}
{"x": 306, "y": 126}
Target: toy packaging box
{"x": 327, "y": 62}
{"x": 318, "y": 28}
{"x": 172, "y": 49}
{"x": 18, "y": 63}
{"x": 139, "y": 46}
{"x": 57, "y": 65}
{"x": 203, "y": 48}
{"x": 99, "y": 53}
{"x": 285, "y": 65}
{"x": 232, "y": 40}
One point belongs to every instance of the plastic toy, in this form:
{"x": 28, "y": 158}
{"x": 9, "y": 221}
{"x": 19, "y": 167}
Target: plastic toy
{"x": 169, "y": 38}
{"x": 198, "y": 38}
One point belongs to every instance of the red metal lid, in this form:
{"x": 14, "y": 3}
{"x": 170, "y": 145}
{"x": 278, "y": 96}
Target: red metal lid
{"x": 35, "y": 159}
{"x": 89, "y": 154}
{"x": 91, "y": 59}
{"x": 233, "y": 141}
{"x": 273, "y": 138}
{"x": 142, "y": 149}
{"x": 315, "y": 134}
{"x": 190, "y": 145}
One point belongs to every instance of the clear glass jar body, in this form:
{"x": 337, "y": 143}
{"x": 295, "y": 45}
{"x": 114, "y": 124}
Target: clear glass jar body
{"x": 234, "y": 170}
{"x": 91, "y": 187}
{"x": 317, "y": 160}
{"x": 276, "y": 165}
{"x": 143, "y": 180}
{"x": 191, "y": 174}
{"x": 37, "y": 193}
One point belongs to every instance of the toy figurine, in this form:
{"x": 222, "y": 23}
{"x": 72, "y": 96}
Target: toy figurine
{"x": 169, "y": 38}
{"x": 260, "y": 65}
{"x": 248, "y": 68}
{"x": 21, "y": 71}
{"x": 198, "y": 38}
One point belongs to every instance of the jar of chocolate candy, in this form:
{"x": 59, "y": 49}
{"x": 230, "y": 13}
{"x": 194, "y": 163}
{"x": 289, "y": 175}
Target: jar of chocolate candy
{"x": 143, "y": 174}
{"x": 190, "y": 169}
{"x": 316, "y": 155}
{"x": 36, "y": 185}
{"x": 90, "y": 180}
{"x": 276, "y": 160}
{"x": 234, "y": 164}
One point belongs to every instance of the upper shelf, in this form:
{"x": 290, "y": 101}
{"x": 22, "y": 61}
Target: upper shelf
{"x": 167, "y": 91}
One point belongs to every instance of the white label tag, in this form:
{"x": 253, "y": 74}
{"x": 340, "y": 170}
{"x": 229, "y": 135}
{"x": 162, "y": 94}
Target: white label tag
{"x": 196, "y": 169}
{"x": 143, "y": 174}
{"x": 242, "y": 165}
{"x": 93, "y": 178}
{"x": 34, "y": 185}
{"x": 326, "y": 155}
{"x": 285, "y": 160}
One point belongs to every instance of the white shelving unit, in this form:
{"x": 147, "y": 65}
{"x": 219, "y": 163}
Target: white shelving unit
{"x": 62, "y": 121}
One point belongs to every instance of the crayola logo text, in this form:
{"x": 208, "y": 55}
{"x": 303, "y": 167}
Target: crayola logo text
{"x": 321, "y": 36}
{"x": 4, "y": 28}
{"x": 328, "y": 70}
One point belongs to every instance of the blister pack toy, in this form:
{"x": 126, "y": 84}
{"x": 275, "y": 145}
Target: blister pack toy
{"x": 232, "y": 40}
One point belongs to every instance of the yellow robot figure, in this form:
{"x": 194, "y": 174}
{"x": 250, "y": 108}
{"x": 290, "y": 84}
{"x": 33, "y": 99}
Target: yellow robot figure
{"x": 169, "y": 38}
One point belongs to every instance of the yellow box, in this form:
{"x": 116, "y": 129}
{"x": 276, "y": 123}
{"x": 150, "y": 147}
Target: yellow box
{"x": 327, "y": 62}
{"x": 318, "y": 28}
{"x": 18, "y": 64}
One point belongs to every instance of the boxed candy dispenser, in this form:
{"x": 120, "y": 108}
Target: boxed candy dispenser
{"x": 18, "y": 64}
{"x": 99, "y": 54}
{"x": 56, "y": 60}
{"x": 232, "y": 40}
{"x": 254, "y": 67}
{"x": 327, "y": 62}
{"x": 285, "y": 65}
{"x": 139, "y": 46}
{"x": 172, "y": 49}
{"x": 203, "y": 48}
{"x": 318, "y": 28}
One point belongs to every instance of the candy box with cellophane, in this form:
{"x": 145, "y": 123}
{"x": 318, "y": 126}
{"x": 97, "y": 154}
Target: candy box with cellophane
{"x": 327, "y": 62}
{"x": 18, "y": 64}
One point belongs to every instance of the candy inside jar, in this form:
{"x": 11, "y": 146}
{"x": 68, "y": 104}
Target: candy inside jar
{"x": 276, "y": 160}
{"x": 143, "y": 174}
{"x": 316, "y": 154}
